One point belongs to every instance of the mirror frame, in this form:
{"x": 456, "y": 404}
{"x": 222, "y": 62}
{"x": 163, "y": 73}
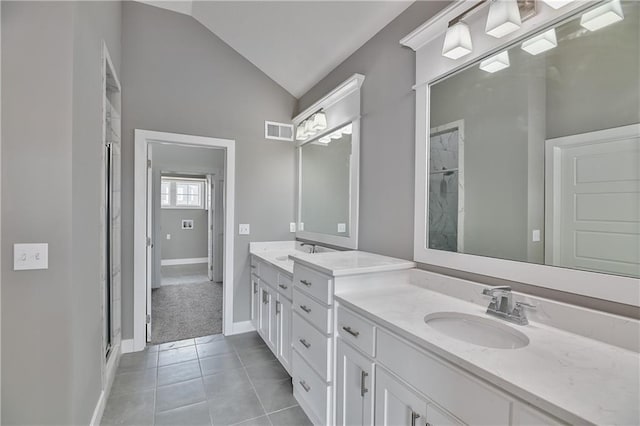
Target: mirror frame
{"x": 431, "y": 67}
{"x": 341, "y": 106}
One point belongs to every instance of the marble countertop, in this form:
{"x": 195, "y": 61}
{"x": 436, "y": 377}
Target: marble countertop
{"x": 345, "y": 263}
{"x": 275, "y": 253}
{"x": 574, "y": 378}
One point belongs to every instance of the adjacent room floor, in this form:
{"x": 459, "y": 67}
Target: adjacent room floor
{"x": 186, "y": 305}
{"x": 213, "y": 380}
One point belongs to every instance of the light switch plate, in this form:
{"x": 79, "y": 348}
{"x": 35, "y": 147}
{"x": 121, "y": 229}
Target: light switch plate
{"x": 535, "y": 235}
{"x": 30, "y": 256}
{"x": 292, "y": 227}
{"x": 342, "y": 227}
{"x": 243, "y": 229}
{"x": 168, "y": 236}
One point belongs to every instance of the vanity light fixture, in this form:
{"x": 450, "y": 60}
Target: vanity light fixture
{"x": 318, "y": 121}
{"x": 315, "y": 123}
{"x": 336, "y": 135}
{"x": 557, "y": 4}
{"x": 457, "y": 41}
{"x": 324, "y": 139}
{"x": 602, "y": 16}
{"x": 348, "y": 129}
{"x": 301, "y": 135}
{"x": 541, "y": 42}
{"x": 504, "y": 18}
{"x": 496, "y": 62}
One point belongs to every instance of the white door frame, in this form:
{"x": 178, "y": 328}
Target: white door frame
{"x": 142, "y": 140}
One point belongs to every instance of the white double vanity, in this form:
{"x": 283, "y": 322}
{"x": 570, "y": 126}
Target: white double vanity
{"x": 350, "y": 329}
{"x": 522, "y": 178}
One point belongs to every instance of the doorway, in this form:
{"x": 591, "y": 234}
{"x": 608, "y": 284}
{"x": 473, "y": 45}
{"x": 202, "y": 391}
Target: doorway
{"x": 187, "y": 190}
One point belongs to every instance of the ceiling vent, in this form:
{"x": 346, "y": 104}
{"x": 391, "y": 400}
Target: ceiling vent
{"x": 278, "y": 131}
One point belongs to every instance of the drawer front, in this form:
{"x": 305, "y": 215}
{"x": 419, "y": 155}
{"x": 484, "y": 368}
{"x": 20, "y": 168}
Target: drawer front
{"x": 255, "y": 266}
{"x": 316, "y": 313}
{"x": 313, "y": 283}
{"x": 285, "y": 285}
{"x": 269, "y": 275}
{"x": 310, "y": 388}
{"x": 478, "y": 403}
{"x": 314, "y": 346}
{"x": 357, "y": 331}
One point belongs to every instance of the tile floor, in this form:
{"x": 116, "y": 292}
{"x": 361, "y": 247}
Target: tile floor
{"x": 213, "y": 380}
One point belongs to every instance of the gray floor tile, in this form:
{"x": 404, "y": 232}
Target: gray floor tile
{"x": 226, "y": 381}
{"x": 290, "y": 417}
{"x": 178, "y": 344}
{"x": 137, "y": 361}
{"x": 209, "y": 339}
{"x": 174, "y": 356}
{"x": 129, "y": 409}
{"x": 134, "y": 381}
{"x": 179, "y": 394}
{"x": 260, "y": 421}
{"x": 152, "y": 348}
{"x": 276, "y": 396}
{"x": 219, "y": 363}
{"x": 217, "y": 347}
{"x": 196, "y": 414}
{"x": 267, "y": 373}
{"x": 256, "y": 356}
{"x": 180, "y": 372}
{"x": 234, "y": 407}
{"x": 246, "y": 340}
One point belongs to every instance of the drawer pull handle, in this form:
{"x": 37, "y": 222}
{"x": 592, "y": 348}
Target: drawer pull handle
{"x": 253, "y": 266}
{"x": 304, "y": 308}
{"x": 305, "y": 282}
{"x": 265, "y": 297}
{"x": 255, "y": 287}
{"x": 363, "y": 384}
{"x": 305, "y": 343}
{"x": 414, "y": 416}
{"x": 351, "y": 331}
{"x": 305, "y": 386}
{"x": 282, "y": 286}
{"x": 278, "y": 304}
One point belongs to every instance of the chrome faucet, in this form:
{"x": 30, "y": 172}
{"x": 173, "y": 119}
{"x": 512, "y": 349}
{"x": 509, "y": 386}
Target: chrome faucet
{"x": 313, "y": 247}
{"x": 502, "y": 305}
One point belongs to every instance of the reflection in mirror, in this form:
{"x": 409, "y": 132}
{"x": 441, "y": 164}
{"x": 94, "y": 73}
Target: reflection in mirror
{"x": 534, "y": 153}
{"x": 325, "y": 183}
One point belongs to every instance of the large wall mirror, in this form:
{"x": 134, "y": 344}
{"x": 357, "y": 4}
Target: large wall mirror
{"x": 328, "y": 169}
{"x": 533, "y": 151}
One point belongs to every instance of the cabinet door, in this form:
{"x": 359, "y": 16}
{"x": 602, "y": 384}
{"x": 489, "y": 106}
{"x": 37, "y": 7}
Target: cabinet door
{"x": 354, "y": 387}
{"x": 285, "y": 315}
{"x": 255, "y": 303}
{"x": 396, "y": 404}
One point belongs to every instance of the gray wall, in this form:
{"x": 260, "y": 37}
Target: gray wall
{"x": 179, "y": 77}
{"x": 184, "y": 243}
{"x": 387, "y": 131}
{"x": 52, "y": 145}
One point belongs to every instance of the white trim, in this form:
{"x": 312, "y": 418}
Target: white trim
{"x": 126, "y": 346}
{"x": 431, "y": 67}
{"x": 242, "y": 327}
{"x": 184, "y": 261}
{"x": 142, "y": 140}
{"x": 110, "y": 373}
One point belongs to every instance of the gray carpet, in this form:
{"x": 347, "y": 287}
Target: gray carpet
{"x": 186, "y": 311}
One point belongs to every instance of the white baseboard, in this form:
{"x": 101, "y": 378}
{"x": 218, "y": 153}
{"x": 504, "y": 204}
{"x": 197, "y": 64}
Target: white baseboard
{"x": 126, "y": 346}
{"x": 186, "y": 261}
{"x": 110, "y": 372}
{"x": 242, "y": 327}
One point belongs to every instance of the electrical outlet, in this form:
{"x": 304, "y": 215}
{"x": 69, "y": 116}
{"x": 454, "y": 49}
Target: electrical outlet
{"x": 535, "y": 235}
{"x": 292, "y": 227}
{"x": 30, "y": 256}
{"x": 168, "y": 236}
{"x": 342, "y": 227}
{"x": 243, "y": 229}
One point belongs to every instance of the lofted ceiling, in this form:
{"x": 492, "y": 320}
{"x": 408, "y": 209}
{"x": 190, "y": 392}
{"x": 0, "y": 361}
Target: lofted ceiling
{"x": 296, "y": 43}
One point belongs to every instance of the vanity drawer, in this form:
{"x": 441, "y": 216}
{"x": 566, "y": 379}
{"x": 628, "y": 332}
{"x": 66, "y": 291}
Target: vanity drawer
{"x": 356, "y": 330}
{"x": 313, "y": 283}
{"x": 255, "y": 266}
{"x": 316, "y": 313}
{"x": 314, "y": 392}
{"x": 479, "y": 403}
{"x": 269, "y": 275}
{"x": 314, "y": 346}
{"x": 285, "y": 285}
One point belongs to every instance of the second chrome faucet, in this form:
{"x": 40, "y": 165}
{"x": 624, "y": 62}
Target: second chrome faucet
{"x": 503, "y": 306}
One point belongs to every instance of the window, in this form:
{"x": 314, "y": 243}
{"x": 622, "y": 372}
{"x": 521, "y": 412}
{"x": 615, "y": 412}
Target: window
{"x": 182, "y": 193}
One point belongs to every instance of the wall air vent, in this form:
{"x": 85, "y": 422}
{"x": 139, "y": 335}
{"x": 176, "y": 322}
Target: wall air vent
{"x": 278, "y": 131}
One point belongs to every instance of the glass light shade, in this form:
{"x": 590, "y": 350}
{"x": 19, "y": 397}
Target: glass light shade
{"x": 336, "y": 135}
{"x": 318, "y": 121}
{"x": 541, "y": 43}
{"x": 457, "y": 41}
{"x": 503, "y": 18}
{"x": 602, "y": 16}
{"x": 308, "y": 128}
{"x": 496, "y": 63}
{"x": 348, "y": 129}
{"x": 557, "y": 4}
{"x": 301, "y": 135}
{"x": 324, "y": 139}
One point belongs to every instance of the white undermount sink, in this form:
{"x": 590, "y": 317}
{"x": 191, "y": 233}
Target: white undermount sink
{"x": 477, "y": 330}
